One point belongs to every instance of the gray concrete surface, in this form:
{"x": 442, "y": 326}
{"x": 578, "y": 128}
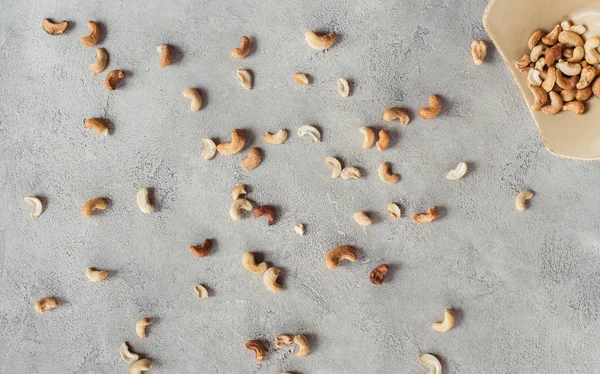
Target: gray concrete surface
{"x": 526, "y": 285}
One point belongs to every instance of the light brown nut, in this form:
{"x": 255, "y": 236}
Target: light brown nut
{"x": 552, "y": 37}
{"x": 394, "y": 113}
{"x": 201, "y": 250}
{"x": 111, "y": 79}
{"x": 555, "y": 106}
{"x": 140, "y": 366}
{"x": 578, "y": 55}
{"x": 317, "y": 41}
{"x": 588, "y": 74}
{"x": 522, "y": 198}
{"x": 368, "y": 136}
{"x": 95, "y": 275}
{"x": 337, "y": 254}
{"x": 393, "y": 210}
{"x": 592, "y": 56}
{"x": 96, "y": 203}
{"x": 303, "y": 345}
{"x": 140, "y": 327}
{"x": 550, "y": 81}
{"x": 596, "y": 87}
{"x": 237, "y": 206}
{"x": 126, "y": 355}
{"x": 195, "y": 98}
{"x": 238, "y": 191}
{"x": 253, "y": 160}
{"x": 583, "y": 94}
{"x": 537, "y": 52}
{"x": 566, "y": 83}
{"x": 568, "y": 68}
{"x": 283, "y": 340}
{"x": 245, "y": 77}
{"x": 277, "y": 138}
{"x": 568, "y": 53}
{"x": 535, "y": 38}
{"x": 299, "y": 229}
{"x": 243, "y": 50}
{"x": 362, "y": 219}
{"x": 458, "y": 172}
{"x": 310, "y": 131}
{"x": 238, "y": 140}
{"x": 534, "y": 77}
{"x": 36, "y": 206}
{"x": 579, "y": 29}
{"x": 447, "y": 323}
{"x": 553, "y": 54}
{"x": 431, "y": 363}
{"x": 378, "y": 274}
{"x": 431, "y": 215}
{"x": 350, "y": 172}
{"x": 250, "y": 264}
{"x": 45, "y": 304}
{"x": 270, "y": 279}
{"x": 166, "y": 54}
{"x": 343, "y": 87}
{"x": 92, "y": 38}
{"x": 335, "y": 165}
{"x": 265, "y": 210}
{"x": 101, "y": 61}
{"x": 568, "y": 95}
{"x": 97, "y": 124}
{"x": 384, "y": 140}
{"x": 570, "y": 38}
{"x": 54, "y": 28}
{"x": 210, "y": 149}
{"x": 301, "y": 79}
{"x": 258, "y": 349}
{"x": 540, "y": 97}
{"x": 478, "y": 51}
{"x": 386, "y": 175}
{"x": 201, "y": 291}
{"x": 523, "y": 63}
{"x": 576, "y": 107}
{"x": 435, "y": 106}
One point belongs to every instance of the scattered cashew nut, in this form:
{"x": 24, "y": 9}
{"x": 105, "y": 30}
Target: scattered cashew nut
{"x": 303, "y": 345}
{"x": 431, "y": 215}
{"x": 201, "y": 291}
{"x": 458, "y": 172}
{"x": 270, "y": 279}
{"x": 258, "y": 349}
{"x": 238, "y": 140}
{"x": 369, "y": 136}
{"x": 237, "y": 206}
{"x": 533, "y": 77}
{"x": 126, "y": 355}
{"x": 36, "y": 206}
{"x": 210, "y": 149}
{"x": 238, "y": 191}
{"x": 310, "y": 131}
{"x": 592, "y": 56}
{"x": 301, "y": 79}
{"x": 265, "y": 210}
{"x": 245, "y": 78}
{"x": 299, "y": 229}
{"x": 447, "y": 323}
{"x": 54, "y": 28}
{"x": 250, "y": 264}
{"x": 435, "y": 106}
{"x": 383, "y": 141}
{"x": 166, "y": 54}
{"x": 195, "y": 98}
{"x": 522, "y": 198}
{"x": 243, "y": 50}
{"x": 283, "y": 340}
{"x": 140, "y": 327}
{"x": 350, "y": 172}
{"x": 394, "y": 113}
{"x": 96, "y": 203}
{"x": 393, "y": 210}
{"x": 277, "y": 138}
{"x": 140, "y": 366}
{"x": 95, "y": 275}
{"x": 111, "y": 79}
{"x": 253, "y": 160}
{"x": 201, "y": 250}
{"x": 478, "y": 51}
{"x": 143, "y": 201}
{"x": 378, "y": 274}
{"x": 362, "y": 219}
{"x": 343, "y": 87}
{"x": 101, "y": 61}
{"x": 92, "y": 38}
{"x": 337, "y": 254}
{"x": 431, "y": 362}
{"x": 316, "y": 41}
{"x": 386, "y": 175}
{"x": 97, "y": 124}
{"x": 45, "y": 304}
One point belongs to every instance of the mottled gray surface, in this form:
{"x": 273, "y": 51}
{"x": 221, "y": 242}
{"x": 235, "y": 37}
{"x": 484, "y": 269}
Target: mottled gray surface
{"x": 526, "y": 285}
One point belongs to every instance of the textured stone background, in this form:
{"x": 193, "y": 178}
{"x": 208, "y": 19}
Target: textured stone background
{"x": 526, "y": 285}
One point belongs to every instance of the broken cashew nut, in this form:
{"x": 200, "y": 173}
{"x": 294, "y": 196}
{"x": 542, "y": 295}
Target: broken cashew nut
{"x": 435, "y": 106}
{"x": 277, "y": 138}
{"x": 92, "y": 38}
{"x": 393, "y": 210}
{"x": 270, "y": 279}
{"x": 210, "y": 149}
{"x": 337, "y": 254}
{"x": 447, "y": 323}
{"x": 45, "y": 304}
{"x": 258, "y": 349}
{"x": 362, "y": 219}
{"x": 478, "y": 51}
{"x": 588, "y": 74}
{"x": 299, "y": 229}
{"x": 96, "y": 203}
{"x": 350, "y": 172}
{"x": 54, "y": 28}
{"x": 36, "y": 206}
{"x": 140, "y": 366}
{"x": 522, "y": 198}
{"x": 343, "y": 87}
{"x": 283, "y": 340}
{"x": 245, "y": 78}
{"x": 238, "y": 140}
{"x": 303, "y": 345}
{"x": 301, "y": 79}
{"x": 126, "y": 355}
{"x": 250, "y": 264}
{"x": 552, "y": 37}
{"x": 431, "y": 362}
{"x": 195, "y": 98}
{"x": 140, "y": 327}
{"x": 310, "y": 131}
{"x": 201, "y": 250}
{"x": 386, "y": 175}
{"x": 369, "y": 136}
{"x": 166, "y": 54}
{"x": 458, "y": 172}
{"x": 378, "y": 274}
{"x": 111, "y": 79}
{"x": 316, "y": 41}
{"x": 253, "y": 160}
{"x": 238, "y": 191}
{"x": 101, "y": 61}
{"x": 236, "y": 207}
{"x": 143, "y": 201}
{"x": 335, "y": 165}
{"x": 265, "y": 210}
{"x": 95, "y": 275}
{"x": 394, "y": 113}
{"x": 97, "y": 124}
{"x": 201, "y": 291}
{"x": 243, "y": 50}
{"x": 431, "y": 215}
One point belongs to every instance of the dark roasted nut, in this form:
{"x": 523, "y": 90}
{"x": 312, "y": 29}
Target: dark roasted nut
{"x": 378, "y": 274}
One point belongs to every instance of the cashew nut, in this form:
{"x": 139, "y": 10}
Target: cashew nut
{"x": 427, "y": 217}
{"x": 447, "y": 323}
{"x": 384, "y": 140}
{"x": 301, "y": 79}
{"x": 578, "y": 55}
{"x": 393, "y": 210}
{"x": 579, "y": 29}
{"x": 550, "y": 80}
{"x": 92, "y": 38}
{"x": 540, "y": 97}
{"x": 378, "y": 274}
{"x": 250, "y": 264}
{"x": 201, "y": 250}
{"x": 394, "y": 113}
{"x": 583, "y": 94}
{"x": 195, "y": 98}
{"x": 45, "y": 304}
{"x": 253, "y": 160}
{"x": 54, "y": 28}
{"x": 596, "y": 87}
{"x": 337, "y": 254}
{"x": 140, "y": 327}
{"x": 310, "y": 131}
{"x": 36, "y": 206}
{"x": 95, "y": 275}
{"x": 111, "y": 79}
{"x": 564, "y": 82}
{"x": 576, "y": 107}
{"x": 238, "y": 140}
{"x": 143, "y": 201}
{"x": 283, "y": 340}
{"x": 458, "y": 172}
{"x": 243, "y": 50}
{"x": 299, "y": 229}
{"x": 166, "y": 54}
{"x": 210, "y": 149}
{"x": 478, "y": 51}
{"x": 343, "y": 87}
{"x": 570, "y": 38}
{"x": 270, "y": 279}
{"x": 237, "y": 191}
{"x": 552, "y": 37}
{"x": 435, "y": 106}
{"x": 201, "y": 291}
{"x": 592, "y": 56}
{"x": 303, "y": 345}
{"x": 238, "y": 205}
{"x": 350, "y": 172}
{"x": 568, "y": 95}
{"x": 316, "y": 41}
{"x": 588, "y": 74}
{"x": 535, "y": 38}
{"x": 140, "y": 366}
{"x": 126, "y": 355}
{"x": 522, "y": 198}
{"x": 369, "y": 136}
{"x": 431, "y": 362}
{"x": 245, "y": 78}
{"x": 553, "y": 54}
{"x": 566, "y": 25}
{"x": 277, "y": 138}
{"x": 523, "y": 63}
{"x": 537, "y": 52}
{"x": 539, "y": 65}
{"x": 265, "y": 210}
{"x": 258, "y": 349}
{"x": 568, "y": 68}
{"x": 362, "y": 219}
{"x": 101, "y": 61}
{"x": 97, "y": 124}
{"x": 533, "y": 77}
{"x": 96, "y": 203}
{"x": 386, "y": 175}
{"x": 555, "y": 106}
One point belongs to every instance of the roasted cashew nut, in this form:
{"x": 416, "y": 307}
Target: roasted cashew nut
{"x": 552, "y": 37}
{"x": 535, "y": 38}
{"x": 236, "y": 207}
{"x": 310, "y": 131}
{"x": 96, "y": 203}
{"x": 335, "y": 165}
{"x": 95, "y": 275}
{"x": 537, "y": 52}
{"x": 383, "y": 141}
{"x": 522, "y": 198}
{"x": 140, "y": 366}
{"x": 378, "y": 274}
{"x": 303, "y": 345}
{"x": 555, "y": 106}
{"x": 431, "y": 363}
{"x": 431, "y": 215}
{"x": 362, "y": 219}
{"x": 523, "y": 63}
{"x": 534, "y": 78}
{"x": 316, "y": 41}
{"x": 435, "y": 106}
{"x": 101, "y": 61}
{"x": 458, "y": 172}
{"x": 195, "y": 98}
{"x": 343, "y": 87}
{"x": 253, "y": 160}
{"x": 250, "y": 264}
{"x": 540, "y": 97}
{"x": 393, "y": 210}
{"x": 126, "y": 355}
{"x": 277, "y": 138}
{"x": 243, "y": 50}
{"x": 238, "y": 191}
{"x": 596, "y": 87}
{"x": 569, "y": 95}
{"x": 92, "y": 38}
{"x": 447, "y": 323}
{"x": 583, "y": 94}
{"x": 265, "y": 210}
{"x": 337, "y": 254}
{"x": 578, "y": 55}
{"x": 210, "y": 149}
{"x": 201, "y": 250}
{"x": 576, "y": 107}
{"x": 553, "y": 54}
{"x": 350, "y": 172}
{"x": 97, "y": 124}
{"x": 245, "y": 78}
{"x": 140, "y": 327}
{"x": 386, "y": 175}
{"x": 570, "y": 38}
{"x": 592, "y": 56}
{"x": 201, "y": 291}
{"x": 36, "y": 206}
{"x": 45, "y": 304}
{"x": 301, "y": 79}
{"x": 166, "y": 54}
{"x": 478, "y": 51}
{"x": 588, "y": 74}
{"x": 54, "y": 28}
{"x": 111, "y": 79}
{"x": 238, "y": 140}
{"x": 394, "y": 113}
{"x": 568, "y": 68}
{"x": 369, "y": 136}
{"x": 283, "y": 340}
{"x": 258, "y": 349}
{"x": 143, "y": 201}
{"x": 270, "y": 279}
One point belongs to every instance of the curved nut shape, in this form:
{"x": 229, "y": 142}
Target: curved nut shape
{"x": 478, "y": 51}
{"x": 283, "y": 340}
{"x": 522, "y": 198}
{"x": 394, "y": 113}
{"x": 540, "y": 65}
{"x": 54, "y": 28}
{"x": 588, "y": 74}
{"x": 431, "y": 362}
{"x": 523, "y": 63}
{"x": 568, "y": 95}
{"x": 458, "y": 172}
{"x": 350, "y": 172}
{"x": 36, "y": 206}
{"x": 535, "y": 38}
{"x": 343, "y": 87}
{"x": 111, "y": 79}
{"x": 195, "y": 98}
{"x": 140, "y": 327}
{"x": 45, "y": 304}
{"x": 550, "y": 81}
{"x": 431, "y": 215}
{"x": 201, "y": 291}
{"x": 301, "y": 79}
{"x": 238, "y": 191}
{"x": 568, "y": 68}
{"x": 310, "y": 131}
{"x": 277, "y": 138}
{"x": 303, "y": 345}
{"x": 140, "y": 366}
{"x": 253, "y": 160}
{"x": 258, "y": 349}
{"x": 540, "y": 97}
{"x": 394, "y": 210}
{"x": 537, "y": 52}
{"x": 166, "y": 54}
{"x": 592, "y": 56}
{"x": 265, "y": 210}
{"x": 335, "y": 165}
{"x": 386, "y": 175}
{"x": 243, "y": 50}
{"x": 250, "y": 264}
{"x": 556, "y": 104}
{"x": 552, "y": 37}
{"x": 534, "y": 78}
{"x": 369, "y": 136}
{"x": 583, "y": 94}
{"x": 576, "y": 107}
{"x": 447, "y": 323}
{"x": 96, "y": 203}
{"x": 553, "y": 54}
{"x": 126, "y": 355}
{"x": 435, "y": 106}
{"x": 579, "y": 29}
{"x": 362, "y": 219}
{"x": 316, "y": 41}
{"x": 299, "y": 229}
{"x": 384, "y": 140}
{"x": 210, "y": 149}
{"x": 570, "y": 38}
{"x": 95, "y": 275}
{"x": 270, "y": 279}
{"x": 596, "y": 87}
{"x": 101, "y": 61}
{"x": 578, "y": 55}
{"x": 236, "y": 207}
{"x": 143, "y": 201}
{"x": 566, "y": 25}
{"x": 378, "y": 274}
{"x": 201, "y": 250}
{"x": 337, "y": 254}
{"x": 238, "y": 140}
{"x": 245, "y": 78}
{"x": 92, "y": 38}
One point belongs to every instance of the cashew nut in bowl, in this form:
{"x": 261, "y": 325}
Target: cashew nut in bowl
{"x": 45, "y": 304}
{"x": 270, "y": 279}
{"x": 238, "y": 191}
{"x": 570, "y": 38}
{"x": 95, "y": 275}
{"x": 550, "y": 81}
{"x": 201, "y": 291}
{"x": 431, "y": 362}
{"x": 394, "y": 113}
{"x": 210, "y": 149}
{"x": 54, "y": 28}
{"x": 588, "y": 74}
{"x": 316, "y": 41}
{"x": 343, "y": 87}
{"x": 538, "y": 52}
{"x": 140, "y": 327}
{"x": 277, "y": 138}
{"x": 362, "y": 219}
{"x": 96, "y": 203}
{"x": 378, "y": 274}
{"x": 337, "y": 254}
{"x": 238, "y": 140}
{"x": 310, "y": 131}
{"x": 101, "y": 61}
{"x": 126, "y": 355}
{"x": 243, "y": 50}
{"x": 523, "y": 63}
{"x": 583, "y": 94}
{"x": 301, "y": 79}
{"x": 201, "y": 250}
{"x": 431, "y": 215}
{"x": 533, "y": 77}
{"x": 596, "y": 87}
{"x": 140, "y": 366}
{"x": 143, "y": 201}
{"x": 195, "y": 98}
{"x": 369, "y": 136}
{"x": 303, "y": 345}
{"x": 478, "y": 51}
{"x": 258, "y": 349}
{"x": 166, "y": 54}
{"x": 552, "y": 37}
{"x": 386, "y": 175}
{"x": 245, "y": 78}
{"x": 568, "y": 68}
{"x": 522, "y": 198}
{"x": 237, "y": 206}
{"x": 576, "y": 107}
{"x": 97, "y": 124}
{"x": 535, "y": 38}
{"x": 447, "y": 323}
{"x": 553, "y": 54}
{"x": 568, "y": 95}
{"x": 111, "y": 79}
{"x": 253, "y": 160}
{"x": 555, "y": 106}
{"x": 578, "y": 29}
{"x": 458, "y": 172}
{"x": 540, "y": 97}
{"x": 350, "y": 172}
{"x": 384, "y": 140}
{"x": 92, "y": 38}
{"x": 393, "y": 210}
{"x": 250, "y": 264}
{"x": 36, "y": 206}
{"x": 592, "y": 56}
{"x": 578, "y": 55}
{"x": 283, "y": 340}
{"x": 435, "y": 106}
{"x": 265, "y": 210}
